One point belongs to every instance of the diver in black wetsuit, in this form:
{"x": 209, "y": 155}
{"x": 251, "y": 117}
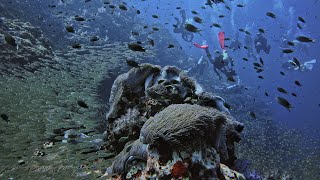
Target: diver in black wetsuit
{"x": 179, "y": 27}
{"x": 261, "y": 43}
{"x": 224, "y": 65}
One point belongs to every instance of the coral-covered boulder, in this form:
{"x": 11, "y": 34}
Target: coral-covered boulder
{"x": 164, "y": 126}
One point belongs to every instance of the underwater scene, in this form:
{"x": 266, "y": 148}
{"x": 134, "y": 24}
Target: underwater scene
{"x": 160, "y": 89}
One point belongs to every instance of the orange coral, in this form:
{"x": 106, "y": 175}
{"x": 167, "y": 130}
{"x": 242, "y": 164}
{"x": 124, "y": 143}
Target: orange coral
{"x": 179, "y": 169}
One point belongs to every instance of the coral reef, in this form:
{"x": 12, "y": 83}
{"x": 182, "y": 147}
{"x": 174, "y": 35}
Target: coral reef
{"x": 163, "y": 125}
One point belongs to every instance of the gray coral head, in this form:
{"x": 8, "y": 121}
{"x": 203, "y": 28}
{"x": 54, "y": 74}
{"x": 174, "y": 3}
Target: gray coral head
{"x": 134, "y": 150}
{"x": 210, "y": 100}
{"x": 180, "y": 124}
{"x": 171, "y": 83}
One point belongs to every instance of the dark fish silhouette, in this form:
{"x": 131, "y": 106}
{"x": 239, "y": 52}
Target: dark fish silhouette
{"x": 81, "y": 103}
{"x": 296, "y": 62}
{"x": 261, "y": 30}
{"x": 155, "y": 16}
{"x": 261, "y": 77}
{"x": 197, "y": 19}
{"x": 257, "y": 64}
{"x": 155, "y": 29}
{"x": 227, "y": 105}
{"x": 10, "y": 40}
{"x": 230, "y": 78}
{"x": 301, "y": 19}
{"x": 79, "y": 18}
{"x": 297, "y": 83}
{"x": 294, "y": 94}
{"x": 270, "y": 14}
{"x": 194, "y": 12}
{"x": 266, "y": 94}
{"x": 304, "y": 39}
{"x": 240, "y": 5}
{"x": 261, "y": 61}
{"x": 287, "y": 51}
{"x": 132, "y": 63}
{"x": 216, "y": 25}
{"x": 282, "y": 90}
{"x": 299, "y": 26}
{"x": 76, "y": 46}
{"x": 290, "y": 43}
{"x": 282, "y": 73}
{"x": 170, "y": 46}
{"x": 191, "y": 28}
{"x": 5, "y": 117}
{"x": 70, "y": 29}
{"x": 283, "y": 102}
{"x": 123, "y": 7}
{"x": 136, "y": 47}
{"x": 245, "y": 59}
{"x": 94, "y": 39}
{"x": 252, "y": 114}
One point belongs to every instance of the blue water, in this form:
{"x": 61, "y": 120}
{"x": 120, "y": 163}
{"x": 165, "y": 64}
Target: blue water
{"x": 306, "y": 111}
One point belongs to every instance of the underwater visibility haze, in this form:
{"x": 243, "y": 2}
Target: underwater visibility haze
{"x": 159, "y": 89}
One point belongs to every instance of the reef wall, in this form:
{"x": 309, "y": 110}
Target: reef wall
{"x": 163, "y": 125}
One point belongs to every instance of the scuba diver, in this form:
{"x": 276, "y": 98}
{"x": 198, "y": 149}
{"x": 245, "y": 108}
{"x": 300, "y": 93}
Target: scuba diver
{"x": 222, "y": 62}
{"x": 179, "y": 27}
{"x": 261, "y": 43}
{"x": 248, "y": 45}
{"x": 235, "y": 44}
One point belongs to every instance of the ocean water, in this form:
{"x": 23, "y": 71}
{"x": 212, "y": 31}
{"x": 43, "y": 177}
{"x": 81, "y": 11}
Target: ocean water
{"x": 59, "y": 59}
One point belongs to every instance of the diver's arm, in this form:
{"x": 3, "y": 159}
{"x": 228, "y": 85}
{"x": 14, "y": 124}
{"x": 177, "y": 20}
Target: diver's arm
{"x": 209, "y": 55}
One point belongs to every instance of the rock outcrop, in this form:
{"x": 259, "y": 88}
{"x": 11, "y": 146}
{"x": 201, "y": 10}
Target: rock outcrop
{"x": 163, "y": 125}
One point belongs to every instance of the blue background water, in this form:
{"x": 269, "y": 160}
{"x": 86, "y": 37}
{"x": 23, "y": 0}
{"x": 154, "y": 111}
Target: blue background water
{"x": 306, "y": 111}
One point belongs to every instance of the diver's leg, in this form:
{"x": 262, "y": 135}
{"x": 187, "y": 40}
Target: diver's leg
{"x": 268, "y": 49}
{"x": 216, "y": 71}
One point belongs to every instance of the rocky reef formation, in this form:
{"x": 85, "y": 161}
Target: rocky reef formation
{"x": 163, "y": 125}
{"x": 23, "y": 45}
